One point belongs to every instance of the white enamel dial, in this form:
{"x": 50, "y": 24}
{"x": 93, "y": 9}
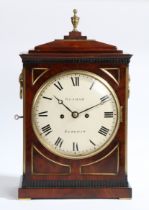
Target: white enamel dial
{"x": 75, "y": 114}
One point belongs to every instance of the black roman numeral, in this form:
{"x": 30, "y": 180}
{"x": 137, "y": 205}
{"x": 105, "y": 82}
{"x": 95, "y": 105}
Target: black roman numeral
{"x": 75, "y": 81}
{"x": 59, "y": 142}
{"x": 75, "y": 146}
{"x": 58, "y": 85}
{"x": 46, "y": 129}
{"x": 91, "y": 85}
{"x": 92, "y": 142}
{"x": 47, "y": 98}
{"x": 104, "y": 99}
{"x": 108, "y": 114}
{"x": 43, "y": 114}
{"x": 103, "y": 131}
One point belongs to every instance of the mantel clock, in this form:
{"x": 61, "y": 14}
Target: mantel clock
{"x": 75, "y": 94}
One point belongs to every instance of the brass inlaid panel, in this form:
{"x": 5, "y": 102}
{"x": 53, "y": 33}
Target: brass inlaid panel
{"x": 98, "y": 167}
{"x": 52, "y": 167}
{"x": 113, "y": 73}
{"x": 37, "y": 73}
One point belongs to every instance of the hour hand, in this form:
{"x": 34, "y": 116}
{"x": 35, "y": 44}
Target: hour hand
{"x": 61, "y": 102}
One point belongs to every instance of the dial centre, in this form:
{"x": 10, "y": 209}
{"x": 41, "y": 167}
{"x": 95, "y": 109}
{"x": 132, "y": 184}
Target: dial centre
{"x": 75, "y": 114}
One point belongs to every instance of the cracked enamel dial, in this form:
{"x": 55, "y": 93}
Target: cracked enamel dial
{"x": 75, "y": 114}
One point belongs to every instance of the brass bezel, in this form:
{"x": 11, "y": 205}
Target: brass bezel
{"x": 77, "y": 156}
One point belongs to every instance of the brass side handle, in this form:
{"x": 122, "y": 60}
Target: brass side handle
{"x": 21, "y": 84}
{"x": 129, "y": 85}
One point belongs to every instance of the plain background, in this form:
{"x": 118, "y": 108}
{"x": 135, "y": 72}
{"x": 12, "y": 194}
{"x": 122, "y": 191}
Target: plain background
{"x": 27, "y": 23}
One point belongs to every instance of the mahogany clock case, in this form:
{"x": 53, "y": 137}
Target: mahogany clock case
{"x": 47, "y": 175}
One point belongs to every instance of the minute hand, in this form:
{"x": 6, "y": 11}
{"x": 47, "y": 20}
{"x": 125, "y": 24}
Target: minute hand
{"x": 89, "y": 108}
{"x": 101, "y": 102}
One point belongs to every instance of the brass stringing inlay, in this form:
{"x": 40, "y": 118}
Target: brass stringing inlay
{"x": 106, "y": 70}
{"x": 102, "y": 173}
{"x": 58, "y": 163}
{"x": 42, "y": 70}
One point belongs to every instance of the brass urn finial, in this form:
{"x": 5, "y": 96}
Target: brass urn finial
{"x": 75, "y": 20}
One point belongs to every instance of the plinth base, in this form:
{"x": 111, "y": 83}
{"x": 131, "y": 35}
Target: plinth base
{"x": 79, "y": 193}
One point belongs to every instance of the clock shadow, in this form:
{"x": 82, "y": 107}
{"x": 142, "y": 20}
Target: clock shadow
{"x": 9, "y": 187}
